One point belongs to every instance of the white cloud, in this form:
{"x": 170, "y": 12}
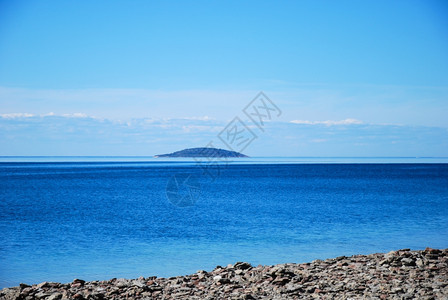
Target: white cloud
{"x": 204, "y": 118}
{"x": 56, "y": 134}
{"x": 50, "y": 114}
{"x": 128, "y": 103}
{"x": 422, "y": 106}
{"x": 201, "y": 128}
{"x": 328, "y": 122}
{"x": 75, "y": 115}
{"x": 16, "y": 115}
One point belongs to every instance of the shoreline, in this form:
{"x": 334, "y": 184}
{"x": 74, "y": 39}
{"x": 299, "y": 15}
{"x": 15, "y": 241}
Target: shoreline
{"x": 401, "y": 274}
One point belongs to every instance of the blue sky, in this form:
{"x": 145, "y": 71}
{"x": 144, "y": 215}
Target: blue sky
{"x": 352, "y": 78}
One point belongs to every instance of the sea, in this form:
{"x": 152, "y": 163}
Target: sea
{"x": 98, "y": 218}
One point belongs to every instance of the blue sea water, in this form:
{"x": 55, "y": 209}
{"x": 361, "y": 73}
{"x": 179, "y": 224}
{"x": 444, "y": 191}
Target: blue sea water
{"x": 104, "y": 219}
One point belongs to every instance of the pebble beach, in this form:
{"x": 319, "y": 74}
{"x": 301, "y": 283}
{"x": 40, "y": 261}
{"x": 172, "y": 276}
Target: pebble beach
{"x": 401, "y": 274}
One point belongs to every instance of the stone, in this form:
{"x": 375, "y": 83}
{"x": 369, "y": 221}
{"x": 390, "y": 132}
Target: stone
{"x": 55, "y": 296}
{"x": 242, "y": 266}
{"x": 97, "y": 295}
{"x": 224, "y": 280}
{"x": 201, "y": 274}
{"x": 43, "y": 285}
{"x": 401, "y": 274}
{"x": 408, "y": 262}
{"x": 280, "y": 280}
{"x": 26, "y": 291}
{"x": 138, "y": 283}
{"x": 432, "y": 251}
{"x": 42, "y": 295}
{"x": 239, "y": 272}
{"x": 121, "y": 283}
{"x": 419, "y": 262}
{"x": 78, "y": 296}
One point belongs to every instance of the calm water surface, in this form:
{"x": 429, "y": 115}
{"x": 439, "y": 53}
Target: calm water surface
{"x": 99, "y": 220}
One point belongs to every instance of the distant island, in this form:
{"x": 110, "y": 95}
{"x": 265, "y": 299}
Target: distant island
{"x": 203, "y": 152}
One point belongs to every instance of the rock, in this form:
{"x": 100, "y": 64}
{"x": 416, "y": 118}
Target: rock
{"x": 42, "y": 295}
{"x": 43, "y": 284}
{"x": 242, "y": 266}
{"x": 276, "y": 270}
{"x": 79, "y": 281}
{"x": 97, "y": 296}
{"x": 390, "y": 254}
{"x": 401, "y": 274}
{"x": 201, "y": 274}
{"x": 224, "y": 280}
{"x": 432, "y": 251}
{"x": 239, "y": 272}
{"x": 78, "y": 296}
{"x": 55, "y": 296}
{"x": 121, "y": 283}
{"x": 408, "y": 262}
{"x": 280, "y": 280}
{"x": 419, "y": 262}
{"x": 138, "y": 283}
{"x": 24, "y": 285}
{"x": 26, "y": 291}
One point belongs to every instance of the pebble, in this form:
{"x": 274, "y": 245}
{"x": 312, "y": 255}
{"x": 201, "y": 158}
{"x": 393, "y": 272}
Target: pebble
{"x": 402, "y": 274}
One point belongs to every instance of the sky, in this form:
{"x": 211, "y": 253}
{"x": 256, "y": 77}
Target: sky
{"x": 350, "y": 78}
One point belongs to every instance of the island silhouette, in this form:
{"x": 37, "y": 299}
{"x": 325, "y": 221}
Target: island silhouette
{"x": 203, "y": 152}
